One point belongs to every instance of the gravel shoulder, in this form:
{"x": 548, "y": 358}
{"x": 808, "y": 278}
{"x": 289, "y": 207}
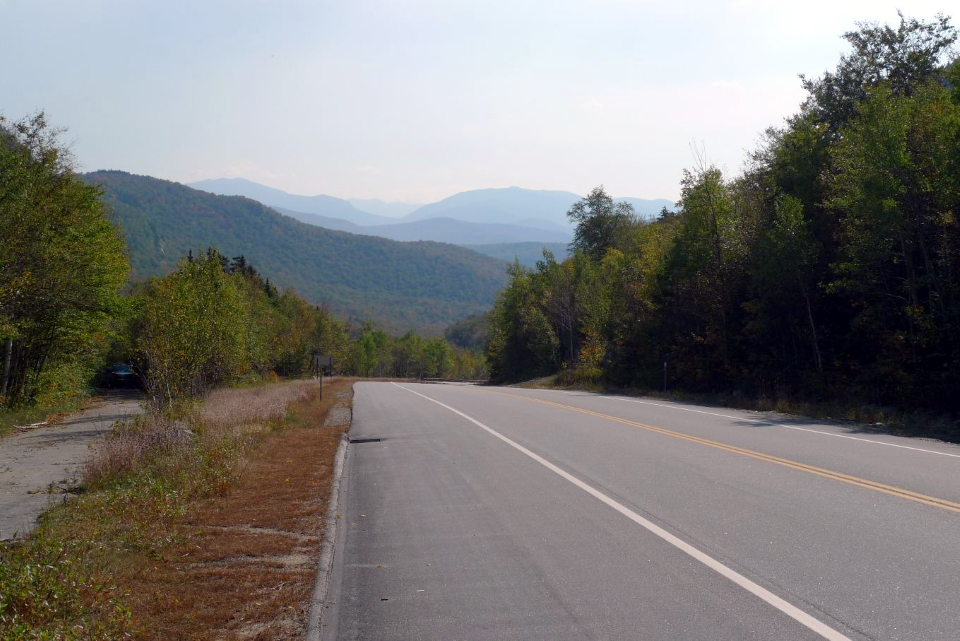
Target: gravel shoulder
{"x": 41, "y": 465}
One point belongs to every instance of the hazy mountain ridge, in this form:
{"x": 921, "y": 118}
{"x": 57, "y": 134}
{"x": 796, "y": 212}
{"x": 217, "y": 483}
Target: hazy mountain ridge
{"x": 327, "y": 222}
{"x": 321, "y": 205}
{"x": 421, "y": 285}
{"x": 505, "y": 205}
{"x": 441, "y": 230}
{"x": 513, "y": 204}
{"x": 383, "y": 207}
{"x": 648, "y": 208}
{"x": 530, "y": 208}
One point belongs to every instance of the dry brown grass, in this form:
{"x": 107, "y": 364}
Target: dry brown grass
{"x": 245, "y": 562}
{"x": 228, "y": 409}
{"x": 132, "y": 443}
{"x": 197, "y": 527}
{"x": 226, "y": 421}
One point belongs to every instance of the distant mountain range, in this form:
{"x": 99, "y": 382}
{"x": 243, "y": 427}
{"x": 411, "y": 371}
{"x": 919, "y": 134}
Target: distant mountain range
{"x": 383, "y": 208}
{"x": 441, "y": 230}
{"x": 510, "y": 205}
{"x": 523, "y": 215}
{"x": 328, "y": 206}
{"x": 411, "y": 285}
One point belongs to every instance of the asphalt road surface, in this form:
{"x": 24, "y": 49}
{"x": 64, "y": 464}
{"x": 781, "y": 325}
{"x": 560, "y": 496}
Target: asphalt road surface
{"x": 498, "y": 513}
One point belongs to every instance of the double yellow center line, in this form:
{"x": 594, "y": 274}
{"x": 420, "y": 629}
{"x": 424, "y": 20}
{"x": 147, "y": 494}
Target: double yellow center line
{"x": 803, "y": 467}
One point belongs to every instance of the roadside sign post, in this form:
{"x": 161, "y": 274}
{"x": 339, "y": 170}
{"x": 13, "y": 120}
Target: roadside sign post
{"x": 319, "y": 362}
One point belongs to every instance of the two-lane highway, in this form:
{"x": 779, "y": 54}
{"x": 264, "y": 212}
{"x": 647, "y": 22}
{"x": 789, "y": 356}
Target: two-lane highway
{"x": 500, "y": 513}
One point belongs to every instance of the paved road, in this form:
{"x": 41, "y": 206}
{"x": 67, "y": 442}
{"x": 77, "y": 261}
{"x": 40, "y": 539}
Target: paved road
{"x": 495, "y": 513}
{"x": 38, "y": 466}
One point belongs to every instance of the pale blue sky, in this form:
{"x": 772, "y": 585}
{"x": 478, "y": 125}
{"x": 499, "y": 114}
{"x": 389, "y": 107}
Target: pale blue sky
{"x": 417, "y": 100}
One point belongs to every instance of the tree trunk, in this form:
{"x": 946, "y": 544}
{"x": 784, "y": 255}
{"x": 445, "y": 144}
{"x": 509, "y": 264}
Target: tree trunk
{"x": 911, "y": 272}
{"x": 7, "y": 355}
{"x": 813, "y": 328}
{"x": 718, "y": 265}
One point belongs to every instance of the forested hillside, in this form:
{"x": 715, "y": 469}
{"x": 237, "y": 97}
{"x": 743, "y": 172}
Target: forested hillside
{"x": 829, "y": 269}
{"x": 400, "y": 285}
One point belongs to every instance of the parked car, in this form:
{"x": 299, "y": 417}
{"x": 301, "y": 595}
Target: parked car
{"x": 122, "y": 375}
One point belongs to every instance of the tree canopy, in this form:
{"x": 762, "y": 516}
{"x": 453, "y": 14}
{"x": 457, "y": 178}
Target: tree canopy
{"x": 62, "y": 264}
{"x": 830, "y": 268}
{"x": 600, "y": 222}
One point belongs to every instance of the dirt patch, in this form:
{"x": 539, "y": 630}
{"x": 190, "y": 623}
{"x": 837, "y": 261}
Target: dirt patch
{"x": 245, "y": 563}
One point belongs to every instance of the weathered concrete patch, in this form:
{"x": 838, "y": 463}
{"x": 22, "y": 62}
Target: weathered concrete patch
{"x": 44, "y": 464}
{"x": 342, "y": 412}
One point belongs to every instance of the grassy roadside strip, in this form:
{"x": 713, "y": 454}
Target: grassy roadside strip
{"x": 886, "y": 420}
{"x": 203, "y": 526}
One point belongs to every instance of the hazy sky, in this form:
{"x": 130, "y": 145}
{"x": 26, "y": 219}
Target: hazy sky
{"x": 417, "y": 100}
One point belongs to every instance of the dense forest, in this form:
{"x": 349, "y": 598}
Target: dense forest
{"x": 62, "y": 265}
{"x": 828, "y": 269}
{"x": 472, "y": 332}
{"x": 423, "y": 286}
{"x": 216, "y": 320}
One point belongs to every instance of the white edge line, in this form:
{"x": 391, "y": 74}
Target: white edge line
{"x": 755, "y": 420}
{"x": 790, "y": 610}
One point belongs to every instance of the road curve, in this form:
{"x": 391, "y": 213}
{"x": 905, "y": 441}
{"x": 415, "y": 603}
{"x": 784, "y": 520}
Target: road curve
{"x": 498, "y": 513}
